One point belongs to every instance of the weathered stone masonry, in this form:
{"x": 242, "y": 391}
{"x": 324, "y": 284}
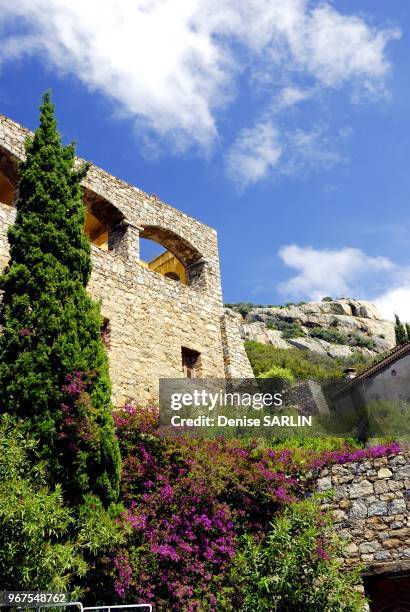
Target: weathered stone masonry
{"x": 151, "y": 317}
{"x": 371, "y": 510}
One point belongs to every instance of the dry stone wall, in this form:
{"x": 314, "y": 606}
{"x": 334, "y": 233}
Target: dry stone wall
{"x": 150, "y": 317}
{"x": 371, "y": 510}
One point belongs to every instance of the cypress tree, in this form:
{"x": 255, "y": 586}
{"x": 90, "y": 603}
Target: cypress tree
{"x": 53, "y": 365}
{"x": 407, "y": 325}
{"x": 400, "y": 331}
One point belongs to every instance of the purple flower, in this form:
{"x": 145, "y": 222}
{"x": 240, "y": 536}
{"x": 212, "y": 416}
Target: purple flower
{"x": 320, "y": 551}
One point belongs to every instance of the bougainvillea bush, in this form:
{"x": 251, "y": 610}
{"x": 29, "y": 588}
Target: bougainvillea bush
{"x": 196, "y": 509}
{"x": 187, "y": 502}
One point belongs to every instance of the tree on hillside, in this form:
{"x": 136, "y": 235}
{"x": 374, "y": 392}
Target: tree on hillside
{"x": 400, "y": 332}
{"x": 53, "y": 365}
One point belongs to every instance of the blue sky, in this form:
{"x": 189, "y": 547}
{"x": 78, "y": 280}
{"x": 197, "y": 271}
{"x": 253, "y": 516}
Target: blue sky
{"x": 284, "y": 124}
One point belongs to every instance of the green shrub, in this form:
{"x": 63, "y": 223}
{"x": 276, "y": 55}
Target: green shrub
{"x": 362, "y": 341}
{"x": 277, "y": 372}
{"x": 327, "y": 299}
{"x": 289, "y": 330}
{"x": 45, "y": 544}
{"x": 400, "y": 331}
{"x": 338, "y": 337}
{"x": 330, "y": 335}
{"x": 295, "y": 567}
{"x": 34, "y": 547}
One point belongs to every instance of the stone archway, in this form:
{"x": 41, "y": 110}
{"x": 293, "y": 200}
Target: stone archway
{"x": 100, "y": 219}
{"x": 180, "y": 259}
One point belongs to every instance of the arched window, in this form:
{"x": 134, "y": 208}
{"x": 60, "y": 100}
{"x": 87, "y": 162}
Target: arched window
{"x": 155, "y": 258}
{"x": 166, "y": 253}
{"x": 101, "y": 217}
{"x": 96, "y": 231}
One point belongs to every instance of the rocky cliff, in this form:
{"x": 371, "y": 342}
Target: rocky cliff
{"x": 337, "y": 328}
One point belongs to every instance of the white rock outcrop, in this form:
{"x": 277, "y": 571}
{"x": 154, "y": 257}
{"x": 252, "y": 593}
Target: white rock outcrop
{"x": 361, "y": 327}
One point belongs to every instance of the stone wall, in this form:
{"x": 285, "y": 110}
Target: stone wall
{"x": 371, "y": 510}
{"x": 235, "y": 358}
{"x": 150, "y": 317}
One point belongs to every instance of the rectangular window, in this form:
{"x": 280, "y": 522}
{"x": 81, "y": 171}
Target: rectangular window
{"x": 190, "y": 362}
{"x": 106, "y": 333}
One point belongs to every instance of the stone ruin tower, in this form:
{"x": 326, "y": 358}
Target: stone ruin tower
{"x": 163, "y": 318}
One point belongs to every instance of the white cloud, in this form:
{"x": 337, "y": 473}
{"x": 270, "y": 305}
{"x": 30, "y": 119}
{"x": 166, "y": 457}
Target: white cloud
{"x": 172, "y": 66}
{"x": 336, "y": 47}
{"x": 395, "y": 301}
{"x": 347, "y": 272}
{"x": 311, "y": 148}
{"x": 329, "y": 271}
{"x": 255, "y": 152}
{"x": 266, "y": 149}
{"x": 291, "y": 95}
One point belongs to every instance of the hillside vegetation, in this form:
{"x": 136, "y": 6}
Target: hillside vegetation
{"x": 301, "y": 364}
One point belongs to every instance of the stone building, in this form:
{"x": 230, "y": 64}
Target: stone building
{"x": 380, "y": 395}
{"x": 164, "y": 318}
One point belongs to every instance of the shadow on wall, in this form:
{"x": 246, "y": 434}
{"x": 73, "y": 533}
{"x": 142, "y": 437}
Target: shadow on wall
{"x": 6, "y": 191}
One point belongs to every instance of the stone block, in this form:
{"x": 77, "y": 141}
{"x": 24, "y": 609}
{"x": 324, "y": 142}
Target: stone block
{"x": 369, "y": 547}
{"x": 360, "y": 489}
{"x": 384, "y": 473}
{"x": 391, "y": 543}
{"x": 339, "y": 516}
{"x": 358, "y": 509}
{"x": 380, "y": 486}
{"x": 378, "y": 509}
{"x": 324, "y": 484}
{"x": 402, "y": 473}
{"x": 397, "y": 506}
{"x": 382, "y": 555}
{"x": 351, "y": 549}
